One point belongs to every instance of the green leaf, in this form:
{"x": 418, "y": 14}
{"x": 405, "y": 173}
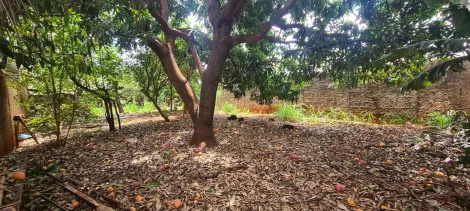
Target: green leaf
{"x": 155, "y": 183}
{"x": 66, "y": 18}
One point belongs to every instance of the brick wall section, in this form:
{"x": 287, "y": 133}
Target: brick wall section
{"x": 450, "y": 93}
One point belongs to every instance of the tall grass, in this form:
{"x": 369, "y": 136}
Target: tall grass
{"x": 229, "y": 109}
{"x": 289, "y": 112}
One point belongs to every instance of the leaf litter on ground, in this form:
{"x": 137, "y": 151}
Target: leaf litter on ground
{"x": 252, "y": 168}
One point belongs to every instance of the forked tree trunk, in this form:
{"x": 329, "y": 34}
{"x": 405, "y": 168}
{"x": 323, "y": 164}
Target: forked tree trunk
{"x": 109, "y": 114}
{"x": 6, "y": 127}
{"x": 203, "y": 127}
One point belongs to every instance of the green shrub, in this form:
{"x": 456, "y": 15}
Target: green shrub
{"x": 396, "y": 119}
{"x": 96, "y": 111}
{"x": 229, "y": 109}
{"x": 148, "y": 107}
{"x": 42, "y": 123}
{"x": 288, "y": 112}
{"x": 437, "y": 119}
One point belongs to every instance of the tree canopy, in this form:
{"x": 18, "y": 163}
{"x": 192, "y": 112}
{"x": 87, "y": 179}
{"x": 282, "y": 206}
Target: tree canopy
{"x": 266, "y": 48}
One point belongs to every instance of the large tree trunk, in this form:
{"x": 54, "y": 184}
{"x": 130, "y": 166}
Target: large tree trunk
{"x": 203, "y": 128}
{"x": 164, "y": 116}
{"x": 6, "y": 127}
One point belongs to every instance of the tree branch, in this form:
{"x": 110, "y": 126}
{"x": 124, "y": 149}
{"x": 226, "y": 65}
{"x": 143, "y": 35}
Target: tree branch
{"x": 77, "y": 83}
{"x": 345, "y": 42}
{"x": 289, "y": 26}
{"x": 213, "y": 9}
{"x": 195, "y": 56}
{"x": 265, "y": 27}
{"x": 280, "y": 41}
{"x": 234, "y": 8}
{"x": 163, "y": 22}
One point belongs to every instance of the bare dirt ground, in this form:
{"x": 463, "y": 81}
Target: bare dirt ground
{"x": 251, "y": 169}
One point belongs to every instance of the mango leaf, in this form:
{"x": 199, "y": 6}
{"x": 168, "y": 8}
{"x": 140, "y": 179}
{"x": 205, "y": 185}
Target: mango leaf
{"x": 154, "y": 184}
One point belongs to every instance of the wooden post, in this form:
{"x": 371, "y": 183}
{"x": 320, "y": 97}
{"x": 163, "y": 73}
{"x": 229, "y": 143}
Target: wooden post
{"x": 19, "y": 118}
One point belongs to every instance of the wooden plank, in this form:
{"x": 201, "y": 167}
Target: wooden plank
{"x": 18, "y": 196}
{"x": 53, "y": 203}
{"x": 81, "y": 195}
{"x": 2, "y": 180}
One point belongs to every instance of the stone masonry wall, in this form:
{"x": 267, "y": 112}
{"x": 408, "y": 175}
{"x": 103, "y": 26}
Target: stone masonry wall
{"x": 450, "y": 93}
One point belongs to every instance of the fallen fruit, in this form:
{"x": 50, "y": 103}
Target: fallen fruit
{"x": 121, "y": 140}
{"x": 62, "y": 170}
{"x": 351, "y": 202}
{"x": 132, "y": 209}
{"x": 94, "y": 147}
{"x": 165, "y": 145}
{"x": 382, "y": 144}
{"x": 356, "y": 159}
{"x": 217, "y": 130}
{"x": 162, "y": 168}
{"x": 423, "y": 170}
{"x": 137, "y": 184}
{"x": 383, "y": 207}
{"x": 429, "y": 185}
{"x": 358, "y": 210}
{"x": 50, "y": 161}
{"x": 389, "y": 162}
{"x": 266, "y": 150}
{"x": 173, "y": 150}
{"x": 339, "y": 188}
{"x": 75, "y": 204}
{"x": 19, "y": 176}
{"x": 177, "y": 203}
{"x": 44, "y": 168}
{"x": 332, "y": 147}
{"x": 197, "y": 197}
{"x": 166, "y": 165}
{"x": 449, "y": 161}
{"x": 439, "y": 174}
{"x": 138, "y": 199}
{"x": 362, "y": 163}
{"x": 294, "y": 156}
{"x": 110, "y": 189}
{"x": 37, "y": 194}
{"x": 277, "y": 148}
{"x": 413, "y": 183}
{"x": 345, "y": 138}
{"x": 200, "y": 154}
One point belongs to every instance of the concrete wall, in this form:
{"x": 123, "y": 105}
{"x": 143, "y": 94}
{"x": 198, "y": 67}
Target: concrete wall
{"x": 450, "y": 93}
